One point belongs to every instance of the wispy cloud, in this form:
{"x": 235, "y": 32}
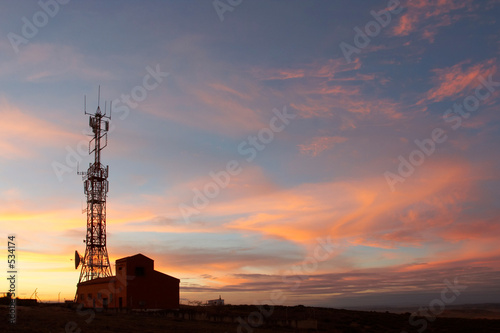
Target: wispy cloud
{"x": 45, "y": 62}
{"x": 31, "y": 133}
{"x": 425, "y": 17}
{"x": 458, "y": 80}
{"x": 320, "y": 144}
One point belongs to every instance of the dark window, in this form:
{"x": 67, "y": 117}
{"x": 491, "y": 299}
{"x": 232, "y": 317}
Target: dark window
{"x": 89, "y": 296}
{"x": 139, "y": 271}
{"x": 120, "y": 268}
{"x": 82, "y": 296}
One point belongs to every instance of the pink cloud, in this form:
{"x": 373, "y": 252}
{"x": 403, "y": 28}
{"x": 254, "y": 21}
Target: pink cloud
{"x": 333, "y": 87}
{"x": 319, "y": 144}
{"x": 226, "y": 108}
{"x": 330, "y": 68}
{"x": 23, "y": 135}
{"x": 406, "y": 25}
{"x": 425, "y": 17}
{"x": 45, "y": 62}
{"x": 324, "y": 88}
{"x": 457, "y": 80}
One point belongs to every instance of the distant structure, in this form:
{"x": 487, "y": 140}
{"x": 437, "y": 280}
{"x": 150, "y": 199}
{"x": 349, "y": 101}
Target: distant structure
{"x": 6, "y": 299}
{"x": 137, "y": 285}
{"x": 216, "y": 302}
{"x": 95, "y": 262}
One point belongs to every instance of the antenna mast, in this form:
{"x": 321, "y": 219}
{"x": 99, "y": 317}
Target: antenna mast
{"x": 95, "y": 263}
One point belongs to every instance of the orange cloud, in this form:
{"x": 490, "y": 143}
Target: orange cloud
{"x": 362, "y": 210}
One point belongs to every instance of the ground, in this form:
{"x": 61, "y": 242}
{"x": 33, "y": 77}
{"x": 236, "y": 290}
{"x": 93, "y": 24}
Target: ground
{"x": 45, "y": 318}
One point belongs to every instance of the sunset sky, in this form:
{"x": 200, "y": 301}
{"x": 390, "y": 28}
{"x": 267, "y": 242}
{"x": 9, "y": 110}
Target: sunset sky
{"x": 354, "y": 145}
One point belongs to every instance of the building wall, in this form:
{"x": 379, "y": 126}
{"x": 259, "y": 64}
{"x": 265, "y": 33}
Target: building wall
{"x": 98, "y": 293}
{"x": 153, "y": 290}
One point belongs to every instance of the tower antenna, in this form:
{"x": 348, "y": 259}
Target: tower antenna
{"x": 95, "y": 263}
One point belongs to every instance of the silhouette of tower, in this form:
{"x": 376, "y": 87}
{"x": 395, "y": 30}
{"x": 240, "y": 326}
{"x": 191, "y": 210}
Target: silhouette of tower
{"x": 95, "y": 262}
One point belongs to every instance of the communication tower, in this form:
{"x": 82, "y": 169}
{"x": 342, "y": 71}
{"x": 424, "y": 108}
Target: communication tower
{"x": 95, "y": 262}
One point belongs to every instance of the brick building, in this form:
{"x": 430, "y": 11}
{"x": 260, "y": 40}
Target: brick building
{"x": 136, "y": 285}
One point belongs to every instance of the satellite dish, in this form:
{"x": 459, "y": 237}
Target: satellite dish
{"x": 78, "y": 259}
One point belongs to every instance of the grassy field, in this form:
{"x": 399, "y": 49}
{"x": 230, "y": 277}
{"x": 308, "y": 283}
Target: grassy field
{"x": 45, "y": 318}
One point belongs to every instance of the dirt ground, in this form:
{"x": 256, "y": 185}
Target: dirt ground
{"x": 47, "y": 318}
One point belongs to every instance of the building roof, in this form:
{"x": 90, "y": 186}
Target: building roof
{"x": 98, "y": 281}
{"x": 140, "y": 255}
